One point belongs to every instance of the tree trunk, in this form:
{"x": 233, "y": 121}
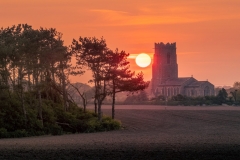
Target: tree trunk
{"x": 63, "y": 87}
{"x": 39, "y": 99}
{"x": 99, "y": 110}
{"x": 101, "y": 97}
{"x": 29, "y": 82}
{"x": 84, "y": 98}
{"x": 113, "y": 100}
{"x": 24, "y": 109}
{"x": 14, "y": 78}
{"x": 113, "y": 106}
{"x": 95, "y": 105}
{"x": 40, "y": 107}
{"x": 64, "y": 93}
{"x": 20, "y": 77}
{"x": 95, "y": 98}
{"x": 52, "y": 74}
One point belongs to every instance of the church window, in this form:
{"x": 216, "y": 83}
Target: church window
{"x": 192, "y": 92}
{"x": 206, "y": 91}
{"x": 156, "y": 90}
{"x": 168, "y": 58}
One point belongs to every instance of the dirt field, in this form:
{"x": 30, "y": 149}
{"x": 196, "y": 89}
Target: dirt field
{"x": 150, "y": 132}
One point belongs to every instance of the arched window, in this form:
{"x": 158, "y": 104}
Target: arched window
{"x": 156, "y": 91}
{"x": 168, "y": 58}
{"x": 192, "y": 92}
{"x": 206, "y": 91}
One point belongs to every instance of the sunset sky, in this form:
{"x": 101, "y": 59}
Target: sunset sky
{"x": 207, "y": 32}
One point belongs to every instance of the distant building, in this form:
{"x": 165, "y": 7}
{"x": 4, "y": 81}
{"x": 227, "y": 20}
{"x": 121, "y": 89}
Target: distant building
{"x": 165, "y": 80}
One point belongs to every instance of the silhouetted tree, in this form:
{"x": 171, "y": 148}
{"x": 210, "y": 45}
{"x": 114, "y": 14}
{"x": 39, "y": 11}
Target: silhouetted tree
{"x": 121, "y": 78}
{"x": 110, "y": 69}
{"x": 236, "y": 85}
{"x": 93, "y": 53}
{"x": 222, "y": 95}
{"x": 82, "y": 94}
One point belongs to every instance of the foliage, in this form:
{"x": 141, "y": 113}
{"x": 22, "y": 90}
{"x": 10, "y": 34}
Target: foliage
{"x": 56, "y": 120}
{"x": 34, "y": 70}
{"x": 93, "y": 54}
{"x": 236, "y": 85}
{"x": 187, "y": 101}
{"x": 222, "y": 95}
{"x": 110, "y": 70}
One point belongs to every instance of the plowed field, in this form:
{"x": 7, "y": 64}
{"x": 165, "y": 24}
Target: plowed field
{"x": 149, "y": 132}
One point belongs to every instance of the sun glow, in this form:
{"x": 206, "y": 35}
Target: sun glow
{"x": 143, "y": 60}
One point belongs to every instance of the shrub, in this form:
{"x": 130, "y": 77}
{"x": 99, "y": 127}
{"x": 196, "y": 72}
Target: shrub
{"x": 110, "y": 124}
{"x": 3, "y": 133}
{"x": 19, "y": 133}
{"x": 56, "y": 120}
{"x": 56, "y": 130}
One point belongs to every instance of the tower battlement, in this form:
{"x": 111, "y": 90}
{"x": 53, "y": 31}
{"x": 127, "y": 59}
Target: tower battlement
{"x": 167, "y": 45}
{"x": 164, "y": 63}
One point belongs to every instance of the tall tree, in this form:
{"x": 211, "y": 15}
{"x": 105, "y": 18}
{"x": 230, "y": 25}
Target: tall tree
{"x": 93, "y": 53}
{"x": 236, "y": 85}
{"x": 110, "y": 70}
{"x": 121, "y": 77}
{"x": 222, "y": 95}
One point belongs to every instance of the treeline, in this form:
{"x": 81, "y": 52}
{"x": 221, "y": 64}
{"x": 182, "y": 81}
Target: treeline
{"x": 34, "y": 80}
{"x": 223, "y": 97}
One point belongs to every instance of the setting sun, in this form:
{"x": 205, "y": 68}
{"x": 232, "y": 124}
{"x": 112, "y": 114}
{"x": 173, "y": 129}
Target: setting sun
{"x": 143, "y": 60}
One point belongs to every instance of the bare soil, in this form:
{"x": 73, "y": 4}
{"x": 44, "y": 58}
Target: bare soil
{"x": 149, "y": 132}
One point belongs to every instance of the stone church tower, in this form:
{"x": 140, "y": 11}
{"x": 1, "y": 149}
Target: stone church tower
{"x": 165, "y": 65}
{"x": 165, "y": 80}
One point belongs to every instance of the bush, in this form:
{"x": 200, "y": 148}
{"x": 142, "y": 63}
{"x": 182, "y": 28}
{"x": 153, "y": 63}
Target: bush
{"x": 110, "y": 124}
{"x": 93, "y": 125}
{"x": 107, "y": 124}
{"x": 3, "y": 133}
{"x": 19, "y": 133}
{"x": 15, "y": 134}
{"x": 55, "y": 120}
{"x": 56, "y": 130}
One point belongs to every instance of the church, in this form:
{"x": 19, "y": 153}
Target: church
{"x": 165, "y": 80}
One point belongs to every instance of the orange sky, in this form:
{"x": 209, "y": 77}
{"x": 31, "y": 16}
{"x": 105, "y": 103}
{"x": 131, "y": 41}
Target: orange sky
{"x": 206, "y": 31}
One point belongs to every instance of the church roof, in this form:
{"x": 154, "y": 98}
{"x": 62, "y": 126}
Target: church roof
{"x": 176, "y": 81}
{"x": 184, "y": 81}
{"x": 197, "y": 83}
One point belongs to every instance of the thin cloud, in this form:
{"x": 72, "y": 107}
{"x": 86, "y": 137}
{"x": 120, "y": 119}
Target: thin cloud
{"x": 124, "y": 18}
{"x": 106, "y": 11}
{"x": 118, "y": 18}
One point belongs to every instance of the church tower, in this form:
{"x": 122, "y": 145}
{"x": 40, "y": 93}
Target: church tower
{"x": 164, "y": 65}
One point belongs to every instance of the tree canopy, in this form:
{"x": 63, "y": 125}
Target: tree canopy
{"x": 34, "y": 81}
{"x": 110, "y": 70}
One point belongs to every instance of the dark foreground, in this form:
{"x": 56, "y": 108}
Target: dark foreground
{"x": 155, "y": 133}
{"x": 134, "y": 152}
